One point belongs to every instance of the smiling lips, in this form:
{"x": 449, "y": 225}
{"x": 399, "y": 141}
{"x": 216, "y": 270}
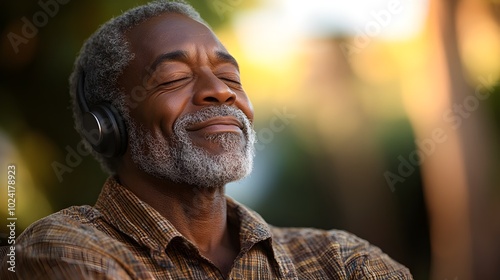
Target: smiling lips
{"x": 218, "y": 125}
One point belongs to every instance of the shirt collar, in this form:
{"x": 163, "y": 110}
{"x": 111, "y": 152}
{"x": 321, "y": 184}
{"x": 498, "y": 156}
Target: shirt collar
{"x": 133, "y": 217}
{"x": 138, "y": 220}
{"x": 254, "y": 229}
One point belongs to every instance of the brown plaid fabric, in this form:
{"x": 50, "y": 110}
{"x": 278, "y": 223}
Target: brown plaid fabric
{"x": 124, "y": 238}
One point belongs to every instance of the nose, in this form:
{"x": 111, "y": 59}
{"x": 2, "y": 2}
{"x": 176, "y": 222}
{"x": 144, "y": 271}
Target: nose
{"x": 211, "y": 90}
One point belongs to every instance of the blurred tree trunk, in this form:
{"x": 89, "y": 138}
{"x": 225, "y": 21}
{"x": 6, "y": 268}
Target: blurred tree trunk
{"x": 448, "y": 117}
{"x": 478, "y": 135}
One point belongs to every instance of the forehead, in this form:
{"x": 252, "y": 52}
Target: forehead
{"x": 170, "y": 32}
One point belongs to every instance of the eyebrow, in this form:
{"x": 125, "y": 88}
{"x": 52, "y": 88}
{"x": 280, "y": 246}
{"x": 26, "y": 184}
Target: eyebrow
{"x": 225, "y": 57}
{"x": 183, "y": 56}
{"x": 171, "y": 56}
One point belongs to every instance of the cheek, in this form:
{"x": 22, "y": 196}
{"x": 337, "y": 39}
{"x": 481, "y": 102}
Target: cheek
{"x": 167, "y": 110}
{"x": 246, "y": 106}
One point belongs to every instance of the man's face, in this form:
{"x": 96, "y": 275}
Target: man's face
{"x": 191, "y": 121}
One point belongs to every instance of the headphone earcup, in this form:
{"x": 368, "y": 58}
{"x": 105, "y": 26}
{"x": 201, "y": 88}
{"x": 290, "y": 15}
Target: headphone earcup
{"x": 105, "y": 130}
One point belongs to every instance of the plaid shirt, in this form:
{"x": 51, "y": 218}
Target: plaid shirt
{"x": 124, "y": 238}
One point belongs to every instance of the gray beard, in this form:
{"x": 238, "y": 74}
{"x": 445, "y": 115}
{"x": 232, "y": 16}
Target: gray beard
{"x": 179, "y": 160}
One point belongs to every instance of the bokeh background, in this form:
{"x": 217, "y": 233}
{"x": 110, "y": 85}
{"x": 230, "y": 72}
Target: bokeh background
{"x": 378, "y": 117}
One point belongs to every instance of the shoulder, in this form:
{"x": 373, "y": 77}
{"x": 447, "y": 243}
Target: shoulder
{"x": 340, "y": 249}
{"x": 65, "y": 244}
{"x": 314, "y": 243}
{"x": 310, "y": 237}
{"x": 72, "y": 225}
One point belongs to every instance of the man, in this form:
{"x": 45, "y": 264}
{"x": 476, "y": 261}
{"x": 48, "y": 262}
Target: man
{"x": 159, "y": 100}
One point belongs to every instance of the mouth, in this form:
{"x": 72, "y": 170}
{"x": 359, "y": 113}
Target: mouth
{"x": 218, "y": 125}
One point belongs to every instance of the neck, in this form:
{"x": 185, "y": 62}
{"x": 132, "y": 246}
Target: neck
{"x": 198, "y": 213}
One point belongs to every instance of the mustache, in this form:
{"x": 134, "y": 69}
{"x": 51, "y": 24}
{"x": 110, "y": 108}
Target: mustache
{"x": 210, "y": 112}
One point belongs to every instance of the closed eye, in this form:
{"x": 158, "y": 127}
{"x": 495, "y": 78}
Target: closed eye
{"x": 173, "y": 81}
{"x": 231, "y": 80}
{"x": 172, "y": 84}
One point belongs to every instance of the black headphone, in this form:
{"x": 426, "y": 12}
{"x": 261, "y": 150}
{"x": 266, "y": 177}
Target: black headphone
{"x": 103, "y": 127}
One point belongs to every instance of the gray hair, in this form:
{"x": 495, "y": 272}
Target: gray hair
{"x": 103, "y": 59}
